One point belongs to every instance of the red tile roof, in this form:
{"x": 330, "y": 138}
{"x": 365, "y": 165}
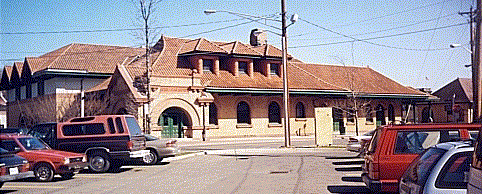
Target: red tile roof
{"x": 302, "y": 76}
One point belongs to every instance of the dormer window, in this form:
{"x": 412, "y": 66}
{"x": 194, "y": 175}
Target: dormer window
{"x": 243, "y": 67}
{"x": 274, "y": 69}
{"x": 208, "y": 65}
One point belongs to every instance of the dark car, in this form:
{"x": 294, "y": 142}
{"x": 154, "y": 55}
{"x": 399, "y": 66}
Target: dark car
{"x": 14, "y": 130}
{"x": 13, "y": 167}
{"x": 107, "y": 140}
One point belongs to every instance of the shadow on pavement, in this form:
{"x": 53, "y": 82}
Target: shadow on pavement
{"x": 7, "y": 191}
{"x": 349, "y": 162}
{"x": 347, "y": 189}
{"x": 352, "y": 179}
{"x": 343, "y": 169}
{"x": 87, "y": 171}
{"x": 343, "y": 157}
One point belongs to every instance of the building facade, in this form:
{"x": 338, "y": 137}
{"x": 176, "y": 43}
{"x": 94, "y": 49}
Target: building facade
{"x": 203, "y": 88}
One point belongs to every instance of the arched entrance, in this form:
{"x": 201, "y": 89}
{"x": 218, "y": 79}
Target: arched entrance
{"x": 380, "y": 113}
{"x": 172, "y": 121}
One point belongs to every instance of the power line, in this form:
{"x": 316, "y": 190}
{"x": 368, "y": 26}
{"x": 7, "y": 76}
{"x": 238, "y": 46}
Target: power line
{"x": 222, "y": 28}
{"x": 383, "y": 30}
{"x": 115, "y": 30}
{"x": 373, "y": 38}
{"x": 374, "y": 18}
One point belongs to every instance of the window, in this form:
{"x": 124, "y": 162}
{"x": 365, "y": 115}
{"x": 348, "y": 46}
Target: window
{"x": 369, "y": 114}
{"x": 40, "y": 89}
{"x": 414, "y": 142}
{"x": 118, "y": 123}
{"x": 300, "y": 110}
{"x": 17, "y": 93}
{"x": 207, "y": 65}
{"x": 83, "y": 129}
{"x": 9, "y": 145}
{"x": 244, "y": 116}
{"x": 243, "y": 67}
{"x": 350, "y": 116}
{"x": 29, "y": 91}
{"x": 274, "y": 68}
{"x": 110, "y": 122}
{"x": 454, "y": 173}
{"x": 274, "y": 113}
{"x": 133, "y": 126}
{"x": 213, "y": 114}
{"x": 391, "y": 113}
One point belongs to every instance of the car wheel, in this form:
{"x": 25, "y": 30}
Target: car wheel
{"x": 1, "y": 184}
{"x": 44, "y": 172}
{"x": 151, "y": 158}
{"x": 67, "y": 175}
{"x": 99, "y": 162}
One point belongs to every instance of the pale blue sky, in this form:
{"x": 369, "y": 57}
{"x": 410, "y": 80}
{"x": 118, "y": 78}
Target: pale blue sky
{"x": 311, "y": 39}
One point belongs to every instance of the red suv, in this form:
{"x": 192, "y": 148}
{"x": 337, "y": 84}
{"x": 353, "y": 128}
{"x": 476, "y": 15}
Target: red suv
{"x": 393, "y": 147}
{"x": 44, "y": 161}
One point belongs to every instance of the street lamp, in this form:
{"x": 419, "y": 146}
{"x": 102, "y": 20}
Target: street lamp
{"x": 475, "y": 111}
{"x": 284, "y": 46}
{"x": 459, "y": 45}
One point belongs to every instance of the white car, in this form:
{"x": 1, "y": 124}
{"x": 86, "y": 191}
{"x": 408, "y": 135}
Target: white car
{"x": 356, "y": 143}
{"x": 442, "y": 168}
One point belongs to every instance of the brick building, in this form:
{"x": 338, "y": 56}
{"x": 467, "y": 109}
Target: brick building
{"x": 224, "y": 88}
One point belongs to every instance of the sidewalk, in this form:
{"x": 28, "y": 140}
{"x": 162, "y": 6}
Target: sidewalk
{"x": 338, "y": 140}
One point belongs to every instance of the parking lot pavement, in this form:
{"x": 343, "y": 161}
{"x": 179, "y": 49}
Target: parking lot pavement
{"x": 287, "y": 170}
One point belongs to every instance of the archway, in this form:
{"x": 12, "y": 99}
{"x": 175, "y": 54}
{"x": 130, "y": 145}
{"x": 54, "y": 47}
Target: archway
{"x": 173, "y": 121}
{"x": 380, "y": 114}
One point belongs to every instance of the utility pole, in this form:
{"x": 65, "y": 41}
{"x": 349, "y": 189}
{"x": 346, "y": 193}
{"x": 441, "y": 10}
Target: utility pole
{"x": 471, "y": 15}
{"x": 284, "y": 44}
{"x": 476, "y": 73}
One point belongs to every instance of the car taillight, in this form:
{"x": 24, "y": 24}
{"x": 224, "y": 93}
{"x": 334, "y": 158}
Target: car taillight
{"x": 373, "y": 170}
{"x": 130, "y": 145}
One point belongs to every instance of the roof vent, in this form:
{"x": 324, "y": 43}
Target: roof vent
{"x": 258, "y": 37}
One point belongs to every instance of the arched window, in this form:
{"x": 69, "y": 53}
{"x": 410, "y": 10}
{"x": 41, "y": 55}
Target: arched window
{"x": 369, "y": 114}
{"x": 213, "y": 114}
{"x": 391, "y": 113}
{"x": 274, "y": 113}
{"x": 244, "y": 116}
{"x": 300, "y": 110}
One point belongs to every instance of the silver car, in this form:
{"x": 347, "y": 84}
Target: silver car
{"x": 442, "y": 168}
{"x": 159, "y": 148}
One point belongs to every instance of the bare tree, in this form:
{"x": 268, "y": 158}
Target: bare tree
{"x": 146, "y": 13}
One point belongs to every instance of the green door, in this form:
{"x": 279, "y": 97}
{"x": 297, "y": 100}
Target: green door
{"x": 172, "y": 125}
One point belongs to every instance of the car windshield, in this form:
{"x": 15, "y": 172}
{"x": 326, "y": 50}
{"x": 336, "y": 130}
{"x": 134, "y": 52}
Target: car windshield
{"x": 370, "y": 133}
{"x": 3, "y": 151}
{"x": 31, "y": 143}
{"x": 150, "y": 137}
{"x": 422, "y": 166}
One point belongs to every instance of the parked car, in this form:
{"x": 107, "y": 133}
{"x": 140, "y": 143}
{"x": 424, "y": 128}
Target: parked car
{"x": 107, "y": 140}
{"x": 44, "y": 161}
{"x": 16, "y": 130}
{"x": 356, "y": 143}
{"x": 442, "y": 168}
{"x": 159, "y": 148}
{"x": 13, "y": 167}
{"x": 393, "y": 147}
{"x": 475, "y": 176}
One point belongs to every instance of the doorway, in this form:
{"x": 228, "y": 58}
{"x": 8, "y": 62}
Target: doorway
{"x": 173, "y": 121}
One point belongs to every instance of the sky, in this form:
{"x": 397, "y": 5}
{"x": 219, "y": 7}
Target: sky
{"x": 407, "y": 41}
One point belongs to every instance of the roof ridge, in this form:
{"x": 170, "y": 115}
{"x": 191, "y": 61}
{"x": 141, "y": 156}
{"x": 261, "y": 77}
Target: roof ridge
{"x": 61, "y": 54}
{"x": 198, "y": 43}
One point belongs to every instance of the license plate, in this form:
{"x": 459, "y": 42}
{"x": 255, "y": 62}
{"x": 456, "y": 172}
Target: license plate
{"x": 13, "y": 171}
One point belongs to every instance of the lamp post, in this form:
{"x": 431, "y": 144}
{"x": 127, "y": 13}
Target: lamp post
{"x": 284, "y": 59}
{"x": 475, "y": 109}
